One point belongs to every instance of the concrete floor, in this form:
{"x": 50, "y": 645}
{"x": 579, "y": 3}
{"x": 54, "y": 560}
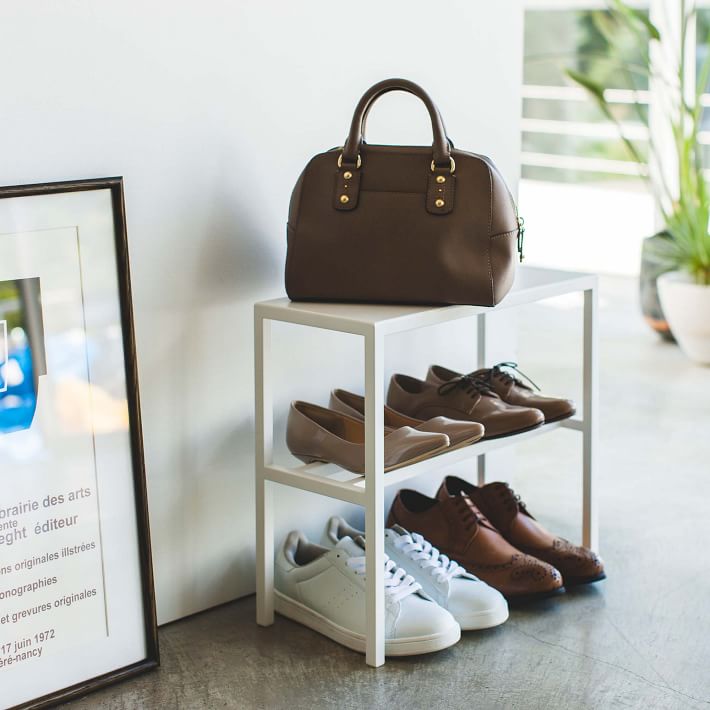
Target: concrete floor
{"x": 641, "y": 639}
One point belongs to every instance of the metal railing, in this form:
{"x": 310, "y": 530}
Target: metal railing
{"x": 583, "y": 129}
{"x": 632, "y": 130}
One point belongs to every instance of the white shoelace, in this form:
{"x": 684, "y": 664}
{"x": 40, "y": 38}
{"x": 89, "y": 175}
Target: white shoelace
{"x": 398, "y": 584}
{"x": 428, "y": 557}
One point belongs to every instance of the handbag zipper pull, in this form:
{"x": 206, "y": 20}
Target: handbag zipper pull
{"x": 521, "y": 237}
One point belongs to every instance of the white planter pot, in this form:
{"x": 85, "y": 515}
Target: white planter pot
{"x": 686, "y": 306}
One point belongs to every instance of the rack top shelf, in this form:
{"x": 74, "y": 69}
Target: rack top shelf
{"x": 531, "y": 284}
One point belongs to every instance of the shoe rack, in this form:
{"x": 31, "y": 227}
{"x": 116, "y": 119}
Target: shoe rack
{"x": 374, "y": 323}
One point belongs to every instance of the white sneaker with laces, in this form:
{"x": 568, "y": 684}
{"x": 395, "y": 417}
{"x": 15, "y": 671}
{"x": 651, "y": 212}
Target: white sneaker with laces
{"x": 324, "y": 589}
{"x": 473, "y": 603}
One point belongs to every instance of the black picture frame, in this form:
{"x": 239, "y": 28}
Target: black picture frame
{"x": 152, "y": 659}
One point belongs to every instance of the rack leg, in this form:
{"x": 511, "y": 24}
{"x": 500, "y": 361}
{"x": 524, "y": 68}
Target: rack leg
{"x": 263, "y": 455}
{"x": 590, "y": 527}
{"x": 481, "y": 469}
{"x": 481, "y": 362}
{"x": 264, "y": 554}
{"x": 374, "y": 498}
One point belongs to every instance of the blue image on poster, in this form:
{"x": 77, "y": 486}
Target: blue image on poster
{"x": 22, "y": 353}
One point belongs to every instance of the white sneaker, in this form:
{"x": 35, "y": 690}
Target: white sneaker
{"x": 473, "y": 603}
{"x": 324, "y": 589}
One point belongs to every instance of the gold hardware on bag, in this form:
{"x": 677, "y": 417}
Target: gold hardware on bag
{"x": 340, "y": 161}
{"x": 439, "y": 202}
{"x": 440, "y": 179}
{"x": 347, "y": 175}
{"x": 433, "y": 167}
{"x": 344, "y": 199}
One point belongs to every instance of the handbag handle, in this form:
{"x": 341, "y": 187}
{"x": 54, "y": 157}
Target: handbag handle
{"x": 440, "y": 147}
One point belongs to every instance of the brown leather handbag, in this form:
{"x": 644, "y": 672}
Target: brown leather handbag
{"x": 396, "y": 224}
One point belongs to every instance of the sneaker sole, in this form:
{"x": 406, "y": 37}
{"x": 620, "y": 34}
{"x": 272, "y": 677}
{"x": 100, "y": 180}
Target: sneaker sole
{"x": 484, "y": 619}
{"x": 412, "y": 646}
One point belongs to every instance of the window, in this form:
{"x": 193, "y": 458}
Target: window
{"x": 581, "y": 196}
{"x": 565, "y": 137}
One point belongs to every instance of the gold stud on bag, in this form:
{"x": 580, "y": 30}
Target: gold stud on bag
{"x": 401, "y": 224}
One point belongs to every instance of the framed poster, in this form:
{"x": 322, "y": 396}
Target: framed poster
{"x": 77, "y": 607}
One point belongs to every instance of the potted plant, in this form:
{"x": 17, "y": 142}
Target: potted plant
{"x": 683, "y": 246}
{"x": 685, "y": 291}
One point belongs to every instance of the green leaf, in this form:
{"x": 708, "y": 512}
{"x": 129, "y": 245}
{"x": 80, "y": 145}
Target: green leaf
{"x": 606, "y": 25}
{"x": 593, "y": 87}
{"x": 687, "y": 216}
{"x": 637, "y": 16}
{"x": 653, "y": 31}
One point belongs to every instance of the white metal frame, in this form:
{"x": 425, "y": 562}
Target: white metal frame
{"x": 374, "y": 323}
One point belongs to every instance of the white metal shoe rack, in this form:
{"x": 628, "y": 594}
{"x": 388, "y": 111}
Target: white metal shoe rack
{"x": 374, "y": 323}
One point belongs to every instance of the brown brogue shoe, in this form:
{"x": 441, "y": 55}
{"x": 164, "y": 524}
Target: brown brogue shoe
{"x": 461, "y": 532}
{"x": 498, "y": 502}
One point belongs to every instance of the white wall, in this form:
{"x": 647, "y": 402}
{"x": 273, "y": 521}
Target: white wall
{"x": 582, "y": 227}
{"x": 210, "y": 110}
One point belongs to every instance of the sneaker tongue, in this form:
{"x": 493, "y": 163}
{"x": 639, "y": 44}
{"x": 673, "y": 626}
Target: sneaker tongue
{"x": 354, "y": 548}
